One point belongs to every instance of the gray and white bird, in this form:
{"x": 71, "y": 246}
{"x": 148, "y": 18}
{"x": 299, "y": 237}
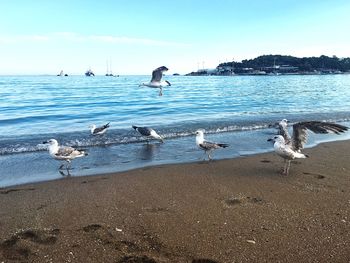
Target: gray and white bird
{"x": 147, "y": 132}
{"x": 207, "y": 146}
{"x": 289, "y": 147}
{"x": 98, "y": 130}
{"x": 63, "y": 153}
{"x": 156, "y": 81}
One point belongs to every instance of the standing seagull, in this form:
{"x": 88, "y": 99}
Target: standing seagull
{"x": 208, "y": 147}
{"x": 148, "y": 133}
{"x": 289, "y": 147}
{"x": 99, "y": 130}
{"x": 156, "y": 81}
{"x": 63, "y": 153}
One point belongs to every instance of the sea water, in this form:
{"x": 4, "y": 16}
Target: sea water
{"x": 235, "y": 109}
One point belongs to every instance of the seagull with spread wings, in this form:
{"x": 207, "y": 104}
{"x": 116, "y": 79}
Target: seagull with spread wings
{"x": 156, "y": 81}
{"x": 289, "y": 147}
{"x": 207, "y": 146}
{"x": 63, "y": 153}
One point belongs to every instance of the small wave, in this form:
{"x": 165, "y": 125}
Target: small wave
{"x": 81, "y": 139}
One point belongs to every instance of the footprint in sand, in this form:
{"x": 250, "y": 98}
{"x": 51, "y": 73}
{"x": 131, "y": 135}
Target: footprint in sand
{"x": 94, "y": 180}
{"x": 100, "y": 233}
{"x": 233, "y": 201}
{"x": 14, "y": 249}
{"x": 5, "y": 192}
{"x": 241, "y": 200}
{"x": 318, "y": 176}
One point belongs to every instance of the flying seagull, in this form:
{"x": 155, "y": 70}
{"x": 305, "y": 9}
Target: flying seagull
{"x": 289, "y": 147}
{"x": 99, "y": 130}
{"x": 148, "y": 133}
{"x": 208, "y": 147}
{"x": 63, "y": 153}
{"x": 156, "y": 81}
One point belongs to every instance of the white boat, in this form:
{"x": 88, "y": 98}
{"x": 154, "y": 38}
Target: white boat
{"x": 89, "y": 73}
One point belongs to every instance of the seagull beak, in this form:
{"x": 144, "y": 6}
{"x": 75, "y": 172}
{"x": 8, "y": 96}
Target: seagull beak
{"x": 45, "y": 142}
{"x": 270, "y": 140}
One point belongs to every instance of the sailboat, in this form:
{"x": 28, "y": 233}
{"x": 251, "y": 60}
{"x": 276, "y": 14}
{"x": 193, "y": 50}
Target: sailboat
{"x": 61, "y": 74}
{"x": 109, "y": 69}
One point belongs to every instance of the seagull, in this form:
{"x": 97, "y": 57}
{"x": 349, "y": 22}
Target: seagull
{"x": 208, "y": 147}
{"x": 99, "y": 130}
{"x": 148, "y": 133}
{"x": 289, "y": 147}
{"x": 63, "y": 153}
{"x": 156, "y": 81}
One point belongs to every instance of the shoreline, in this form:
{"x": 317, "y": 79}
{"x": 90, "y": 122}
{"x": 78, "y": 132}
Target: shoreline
{"x": 239, "y": 210}
{"x": 31, "y": 167}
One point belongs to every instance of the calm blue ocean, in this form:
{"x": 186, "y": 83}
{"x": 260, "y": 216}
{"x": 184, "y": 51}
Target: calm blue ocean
{"x": 236, "y": 109}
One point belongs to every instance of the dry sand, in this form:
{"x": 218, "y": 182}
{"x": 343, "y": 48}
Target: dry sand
{"x": 239, "y": 210}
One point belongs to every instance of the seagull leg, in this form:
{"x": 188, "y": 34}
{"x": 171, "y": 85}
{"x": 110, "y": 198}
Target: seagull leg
{"x": 283, "y": 172}
{"x": 288, "y": 166}
{"x": 68, "y": 167}
{"x": 61, "y": 167}
{"x": 160, "y": 92}
{"x": 209, "y": 157}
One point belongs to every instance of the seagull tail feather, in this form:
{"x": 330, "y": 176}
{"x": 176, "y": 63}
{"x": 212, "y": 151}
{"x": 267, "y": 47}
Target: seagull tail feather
{"x": 135, "y": 127}
{"x": 223, "y": 145}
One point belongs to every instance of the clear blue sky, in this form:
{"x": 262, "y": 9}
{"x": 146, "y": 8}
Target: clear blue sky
{"x": 43, "y": 37}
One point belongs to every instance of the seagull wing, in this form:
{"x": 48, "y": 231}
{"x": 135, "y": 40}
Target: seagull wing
{"x": 99, "y": 129}
{"x": 65, "y": 151}
{"x": 145, "y": 131}
{"x": 157, "y": 74}
{"x": 283, "y": 130}
{"x": 300, "y": 131}
{"x": 212, "y": 145}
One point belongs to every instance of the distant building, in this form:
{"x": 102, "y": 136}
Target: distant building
{"x": 203, "y": 72}
{"x": 283, "y": 69}
{"x": 288, "y": 69}
{"x": 225, "y": 70}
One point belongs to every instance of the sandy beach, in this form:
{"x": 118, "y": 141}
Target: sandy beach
{"x": 237, "y": 210}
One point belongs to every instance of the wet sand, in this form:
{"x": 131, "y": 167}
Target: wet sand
{"x": 238, "y": 210}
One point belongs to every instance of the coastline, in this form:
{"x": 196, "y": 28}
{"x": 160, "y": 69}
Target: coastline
{"x": 39, "y": 166}
{"x": 232, "y": 210}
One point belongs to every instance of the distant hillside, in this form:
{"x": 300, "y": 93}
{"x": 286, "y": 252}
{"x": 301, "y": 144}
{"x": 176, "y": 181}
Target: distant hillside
{"x": 306, "y": 64}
